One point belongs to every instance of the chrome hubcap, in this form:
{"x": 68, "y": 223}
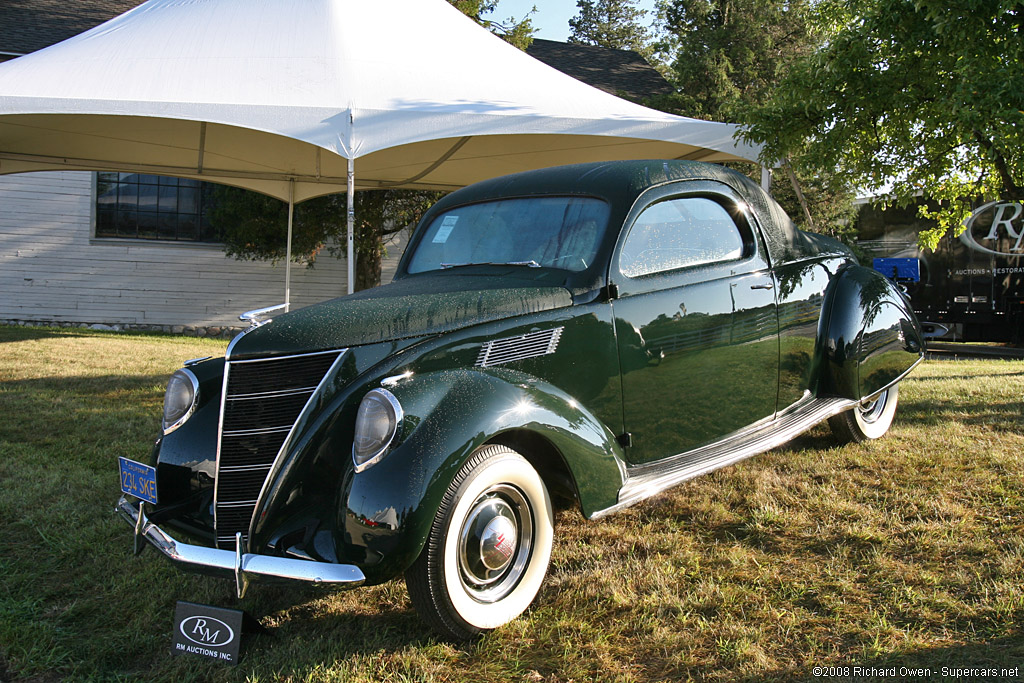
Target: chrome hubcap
{"x": 495, "y": 543}
{"x": 872, "y": 410}
{"x": 498, "y": 543}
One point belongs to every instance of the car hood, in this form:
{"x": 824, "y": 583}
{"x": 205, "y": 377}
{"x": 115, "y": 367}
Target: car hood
{"x": 412, "y": 307}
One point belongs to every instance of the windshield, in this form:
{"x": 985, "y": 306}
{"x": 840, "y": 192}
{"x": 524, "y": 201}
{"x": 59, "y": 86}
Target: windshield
{"x": 550, "y": 232}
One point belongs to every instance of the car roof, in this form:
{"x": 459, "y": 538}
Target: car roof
{"x": 620, "y": 183}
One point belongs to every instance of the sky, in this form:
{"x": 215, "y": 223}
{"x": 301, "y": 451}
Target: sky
{"x": 552, "y": 17}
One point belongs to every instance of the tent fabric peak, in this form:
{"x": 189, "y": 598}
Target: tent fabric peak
{"x": 285, "y": 98}
{"x": 417, "y": 93}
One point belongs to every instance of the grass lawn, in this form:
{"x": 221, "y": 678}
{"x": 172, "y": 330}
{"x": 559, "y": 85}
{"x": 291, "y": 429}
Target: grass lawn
{"x": 906, "y": 552}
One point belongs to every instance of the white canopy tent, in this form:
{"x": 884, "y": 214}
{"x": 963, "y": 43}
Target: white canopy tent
{"x": 289, "y": 98}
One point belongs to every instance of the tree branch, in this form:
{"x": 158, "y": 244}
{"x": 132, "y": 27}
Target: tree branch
{"x": 1009, "y": 184}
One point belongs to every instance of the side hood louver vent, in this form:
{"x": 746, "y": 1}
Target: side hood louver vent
{"x": 532, "y": 345}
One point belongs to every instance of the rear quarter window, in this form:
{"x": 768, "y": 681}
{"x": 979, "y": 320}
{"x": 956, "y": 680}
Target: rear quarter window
{"x": 680, "y": 233}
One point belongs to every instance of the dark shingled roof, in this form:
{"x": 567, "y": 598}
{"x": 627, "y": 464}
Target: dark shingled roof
{"x": 30, "y": 25}
{"x": 619, "y": 72}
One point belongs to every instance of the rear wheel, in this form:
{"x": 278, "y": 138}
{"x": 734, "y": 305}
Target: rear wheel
{"x": 488, "y": 548}
{"x": 869, "y": 420}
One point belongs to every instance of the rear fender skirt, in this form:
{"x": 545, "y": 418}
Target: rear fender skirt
{"x": 868, "y": 336}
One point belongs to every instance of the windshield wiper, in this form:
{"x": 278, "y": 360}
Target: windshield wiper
{"x": 528, "y": 264}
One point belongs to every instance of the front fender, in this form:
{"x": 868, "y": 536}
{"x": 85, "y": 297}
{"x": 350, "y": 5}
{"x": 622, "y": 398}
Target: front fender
{"x": 388, "y": 508}
{"x": 869, "y": 336}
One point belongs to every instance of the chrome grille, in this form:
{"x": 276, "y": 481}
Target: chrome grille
{"x": 532, "y": 345}
{"x": 262, "y": 401}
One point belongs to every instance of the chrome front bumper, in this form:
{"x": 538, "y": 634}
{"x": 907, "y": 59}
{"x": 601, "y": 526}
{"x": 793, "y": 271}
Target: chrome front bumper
{"x": 243, "y": 565}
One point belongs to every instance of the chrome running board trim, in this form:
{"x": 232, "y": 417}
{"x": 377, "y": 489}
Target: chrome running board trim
{"x": 644, "y": 481}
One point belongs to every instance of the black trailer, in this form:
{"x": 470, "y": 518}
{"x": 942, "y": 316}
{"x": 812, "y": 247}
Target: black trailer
{"x": 971, "y": 287}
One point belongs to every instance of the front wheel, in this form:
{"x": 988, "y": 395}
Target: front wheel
{"x": 488, "y": 548}
{"x": 869, "y": 420}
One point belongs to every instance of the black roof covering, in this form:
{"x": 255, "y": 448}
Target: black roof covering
{"x": 621, "y": 183}
{"x": 619, "y": 72}
{"x": 30, "y": 25}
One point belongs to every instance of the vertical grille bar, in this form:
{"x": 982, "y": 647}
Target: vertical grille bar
{"x": 262, "y": 400}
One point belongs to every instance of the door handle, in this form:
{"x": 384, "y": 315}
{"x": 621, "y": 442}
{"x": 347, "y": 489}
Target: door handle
{"x": 767, "y": 286}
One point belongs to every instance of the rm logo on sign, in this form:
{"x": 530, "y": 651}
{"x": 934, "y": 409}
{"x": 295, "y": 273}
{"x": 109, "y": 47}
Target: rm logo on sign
{"x": 1002, "y": 236}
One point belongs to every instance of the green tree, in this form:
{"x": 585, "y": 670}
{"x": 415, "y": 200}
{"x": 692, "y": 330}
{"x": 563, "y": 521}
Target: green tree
{"x": 379, "y": 215}
{"x": 726, "y": 53}
{"x": 251, "y": 225}
{"x": 915, "y": 96}
{"x": 725, "y": 56}
{"x": 518, "y": 32}
{"x": 611, "y": 23}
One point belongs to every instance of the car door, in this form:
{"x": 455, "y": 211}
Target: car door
{"x": 696, "y": 321}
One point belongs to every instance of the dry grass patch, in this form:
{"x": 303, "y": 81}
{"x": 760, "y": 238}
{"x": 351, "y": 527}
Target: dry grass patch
{"x": 903, "y": 552}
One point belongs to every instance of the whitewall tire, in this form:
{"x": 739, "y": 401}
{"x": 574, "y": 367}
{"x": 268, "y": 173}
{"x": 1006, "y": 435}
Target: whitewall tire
{"x": 488, "y": 548}
{"x": 867, "y": 421}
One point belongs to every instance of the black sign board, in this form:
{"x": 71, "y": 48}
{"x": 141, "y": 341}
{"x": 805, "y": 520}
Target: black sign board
{"x": 210, "y": 632}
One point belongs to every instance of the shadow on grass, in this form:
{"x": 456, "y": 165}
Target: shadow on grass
{"x": 964, "y": 410}
{"x": 997, "y": 654}
{"x": 386, "y": 627}
{"x": 17, "y": 334}
{"x": 305, "y": 633}
{"x": 387, "y": 630}
{"x": 961, "y": 377}
{"x": 820, "y": 438}
{"x": 97, "y": 386}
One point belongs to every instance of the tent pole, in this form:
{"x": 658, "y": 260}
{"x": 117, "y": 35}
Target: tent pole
{"x": 799, "y": 193}
{"x": 350, "y": 191}
{"x": 288, "y": 248}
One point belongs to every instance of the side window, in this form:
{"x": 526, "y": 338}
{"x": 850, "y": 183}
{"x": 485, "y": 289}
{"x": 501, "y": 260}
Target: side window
{"x": 678, "y": 233}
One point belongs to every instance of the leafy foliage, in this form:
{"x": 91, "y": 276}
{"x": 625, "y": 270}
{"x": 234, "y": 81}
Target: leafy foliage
{"x": 379, "y": 215}
{"x": 518, "y": 32}
{"x": 725, "y": 53}
{"x": 917, "y": 95}
{"x": 829, "y": 199}
{"x": 725, "y": 57}
{"x": 610, "y": 23}
{"x": 252, "y": 225}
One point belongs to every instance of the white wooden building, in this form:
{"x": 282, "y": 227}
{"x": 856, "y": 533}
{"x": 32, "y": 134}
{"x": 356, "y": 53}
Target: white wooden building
{"x": 53, "y": 268}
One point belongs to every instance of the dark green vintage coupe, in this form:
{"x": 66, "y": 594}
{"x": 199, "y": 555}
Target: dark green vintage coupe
{"x": 590, "y": 334}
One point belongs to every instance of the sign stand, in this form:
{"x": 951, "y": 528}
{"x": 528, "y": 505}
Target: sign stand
{"x": 212, "y": 633}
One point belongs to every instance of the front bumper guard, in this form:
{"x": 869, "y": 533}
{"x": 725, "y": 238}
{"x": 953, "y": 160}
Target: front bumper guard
{"x": 243, "y": 565}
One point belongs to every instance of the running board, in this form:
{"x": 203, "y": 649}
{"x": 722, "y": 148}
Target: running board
{"x": 644, "y": 481}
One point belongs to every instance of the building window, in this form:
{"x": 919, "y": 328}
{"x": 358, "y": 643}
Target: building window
{"x": 149, "y": 207}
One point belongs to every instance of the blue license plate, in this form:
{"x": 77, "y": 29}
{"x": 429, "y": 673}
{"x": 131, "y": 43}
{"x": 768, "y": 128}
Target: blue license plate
{"x": 137, "y": 479}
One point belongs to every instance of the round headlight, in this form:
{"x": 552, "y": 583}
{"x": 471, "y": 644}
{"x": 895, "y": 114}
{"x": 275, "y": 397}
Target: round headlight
{"x": 180, "y": 399}
{"x": 377, "y": 422}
